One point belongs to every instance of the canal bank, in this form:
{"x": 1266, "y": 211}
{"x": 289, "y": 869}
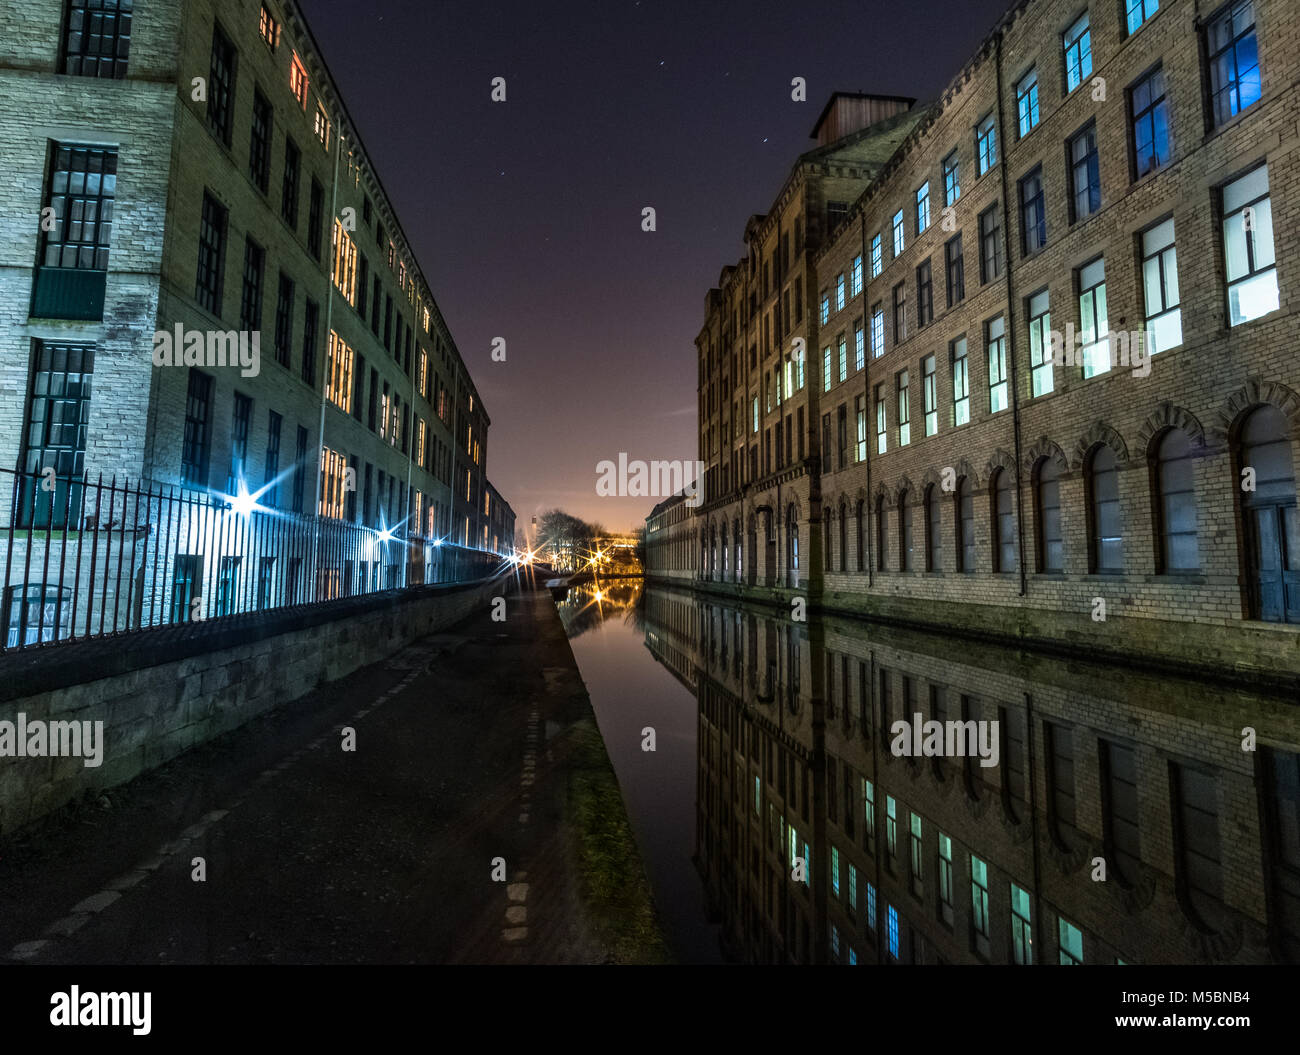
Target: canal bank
{"x": 472, "y": 816}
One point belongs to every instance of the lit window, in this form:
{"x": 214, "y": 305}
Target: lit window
{"x": 1149, "y": 121}
{"x": 338, "y": 376}
{"x": 979, "y": 891}
{"x": 298, "y": 80}
{"x": 904, "y": 416}
{"x": 930, "y": 395}
{"x": 1040, "y": 344}
{"x": 960, "y": 383}
{"x": 1160, "y": 287}
{"x": 881, "y": 441}
{"x": 1094, "y": 326}
{"x": 996, "y": 342}
{"x": 839, "y": 292}
{"x": 844, "y": 358}
{"x": 1138, "y": 11}
{"x": 1234, "y": 61}
{"x": 986, "y": 145}
{"x": 269, "y": 28}
{"x": 877, "y": 254}
{"x": 1027, "y": 103}
{"x": 857, "y": 275}
{"x": 951, "y": 179}
{"x": 826, "y": 308}
{"x": 1071, "y": 942}
{"x": 922, "y": 207}
{"x": 1022, "y": 931}
{"x": 859, "y": 346}
{"x": 1078, "y": 53}
{"x": 344, "y": 270}
{"x": 877, "y": 331}
{"x": 899, "y": 242}
{"x": 333, "y": 466}
{"x": 893, "y": 931}
{"x": 1248, "y": 247}
{"x": 322, "y": 126}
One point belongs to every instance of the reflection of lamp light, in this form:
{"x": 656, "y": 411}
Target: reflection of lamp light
{"x": 386, "y": 535}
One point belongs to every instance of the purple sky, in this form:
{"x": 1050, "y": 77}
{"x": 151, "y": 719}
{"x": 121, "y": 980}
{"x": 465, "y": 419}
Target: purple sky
{"x": 526, "y": 215}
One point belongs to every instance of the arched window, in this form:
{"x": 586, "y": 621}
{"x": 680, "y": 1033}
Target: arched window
{"x": 1106, "y": 534}
{"x": 1047, "y": 498}
{"x": 1004, "y": 522}
{"x": 1272, "y": 523}
{"x": 792, "y": 545}
{"x": 933, "y": 530}
{"x": 1176, "y": 503}
{"x": 964, "y": 504}
{"x": 881, "y": 533}
{"x": 904, "y": 532}
{"x": 844, "y": 537}
{"x": 862, "y": 535}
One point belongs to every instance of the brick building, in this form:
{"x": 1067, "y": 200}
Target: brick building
{"x": 207, "y": 289}
{"x": 1050, "y": 391}
{"x": 944, "y": 860}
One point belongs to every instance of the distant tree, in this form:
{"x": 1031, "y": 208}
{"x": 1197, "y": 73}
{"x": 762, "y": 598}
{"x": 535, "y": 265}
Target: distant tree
{"x": 566, "y": 536}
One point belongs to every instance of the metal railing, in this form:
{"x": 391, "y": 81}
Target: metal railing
{"x": 89, "y": 559}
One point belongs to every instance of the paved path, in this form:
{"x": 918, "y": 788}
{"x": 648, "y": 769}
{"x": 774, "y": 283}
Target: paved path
{"x": 314, "y": 854}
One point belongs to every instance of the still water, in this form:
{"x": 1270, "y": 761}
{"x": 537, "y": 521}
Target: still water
{"x": 796, "y": 808}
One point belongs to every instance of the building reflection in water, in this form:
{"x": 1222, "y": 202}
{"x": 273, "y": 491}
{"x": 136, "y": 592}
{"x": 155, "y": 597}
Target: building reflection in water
{"x": 1134, "y": 775}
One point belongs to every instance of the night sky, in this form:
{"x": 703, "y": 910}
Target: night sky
{"x": 526, "y": 215}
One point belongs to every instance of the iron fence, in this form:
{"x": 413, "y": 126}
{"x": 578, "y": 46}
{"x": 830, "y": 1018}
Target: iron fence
{"x": 89, "y": 559}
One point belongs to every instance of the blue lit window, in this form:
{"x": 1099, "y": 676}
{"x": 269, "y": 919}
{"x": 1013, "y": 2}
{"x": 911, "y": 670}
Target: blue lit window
{"x": 893, "y": 931}
{"x": 1234, "y": 61}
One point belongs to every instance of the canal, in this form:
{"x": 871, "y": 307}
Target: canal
{"x": 797, "y": 808}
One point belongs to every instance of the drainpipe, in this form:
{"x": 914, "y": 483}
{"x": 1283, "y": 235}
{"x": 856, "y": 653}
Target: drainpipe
{"x": 329, "y": 329}
{"x": 865, "y": 535}
{"x": 1011, "y": 327}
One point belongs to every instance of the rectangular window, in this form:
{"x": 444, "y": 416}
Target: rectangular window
{"x": 250, "y": 300}
{"x": 839, "y": 292}
{"x": 918, "y": 871}
{"x": 899, "y": 241}
{"x": 892, "y": 915}
{"x": 271, "y": 464}
{"x": 1085, "y": 174}
{"x": 951, "y": 179}
{"x": 1149, "y": 123}
{"x": 298, "y": 80}
{"x": 289, "y": 188}
{"x": 954, "y": 268}
{"x": 930, "y": 395}
{"x": 1198, "y": 844}
{"x": 986, "y": 145}
{"x": 239, "y": 422}
{"x": 877, "y": 256}
{"x": 859, "y": 345}
{"x": 960, "y": 382}
{"x": 309, "y": 321}
{"x": 900, "y": 314}
{"x": 1078, "y": 53}
{"x": 881, "y": 443}
{"x": 1138, "y": 11}
{"x": 344, "y": 265}
{"x": 1160, "y": 287}
{"x": 1022, "y": 930}
{"x": 1093, "y": 324}
{"x": 869, "y": 814}
{"x": 991, "y": 252}
{"x": 904, "y": 416}
{"x": 844, "y": 358}
{"x": 857, "y": 275}
{"x": 826, "y": 373}
{"x": 996, "y": 342}
{"x": 1027, "y": 103}
{"x": 58, "y": 415}
{"x": 877, "y": 331}
{"x": 80, "y": 190}
{"x": 284, "y": 320}
{"x": 315, "y": 218}
{"x": 1233, "y": 54}
{"x": 860, "y": 417}
{"x": 1033, "y": 213}
{"x": 825, "y": 309}
{"x": 338, "y": 373}
{"x": 1070, "y": 940}
{"x": 259, "y": 147}
{"x": 97, "y": 38}
{"x": 322, "y": 126}
{"x": 979, "y": 893}
{"x": 891, "y": 826}
{"x": 1121, "y": 813}
{"x": 195, "y": 440}
{"x": 1249, "y": 259}
{"x": 1040, "y": 344}
{"x": 221, "y": 85}
{"x": 299, "y": 473}
{"x": 945, "y": 879}
{"x": 269, "y": 28}
{"x": 333, "y": 471}
{"x": 922, "y": 207}
{"x": 924, "y": 295}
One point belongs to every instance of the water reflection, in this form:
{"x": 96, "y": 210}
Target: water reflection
{"x": 1139, "y": 777}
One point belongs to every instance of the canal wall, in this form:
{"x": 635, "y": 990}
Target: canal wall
{"x": 160, "y": 692}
